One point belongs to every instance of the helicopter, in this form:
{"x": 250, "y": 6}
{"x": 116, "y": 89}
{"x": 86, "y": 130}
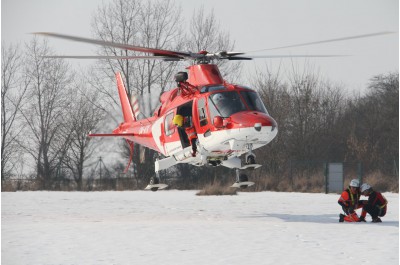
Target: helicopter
{"x": 228, "y": 120}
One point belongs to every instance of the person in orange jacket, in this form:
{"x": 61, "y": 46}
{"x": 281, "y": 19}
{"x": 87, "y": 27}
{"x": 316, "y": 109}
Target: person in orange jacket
{"x": 376, "y": 205}
{"x": 350, "y": 201}
{"x": 189, "y": 129}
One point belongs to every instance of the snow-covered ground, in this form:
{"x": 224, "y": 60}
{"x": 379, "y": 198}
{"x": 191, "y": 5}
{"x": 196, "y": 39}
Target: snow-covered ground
{"x": 177, "y": 227}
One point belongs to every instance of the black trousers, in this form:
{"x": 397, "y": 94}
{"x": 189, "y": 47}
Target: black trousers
{"x": 194, "y": 146}
{"x": 374, "y": 211}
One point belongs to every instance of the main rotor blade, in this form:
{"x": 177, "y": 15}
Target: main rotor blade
{"x": 251, "y": 57}
{"x": 330, "y": 40}
{"x": 167, "y": 58}
{"x": 116, "y": 45}
{"x": 297, "y": 56}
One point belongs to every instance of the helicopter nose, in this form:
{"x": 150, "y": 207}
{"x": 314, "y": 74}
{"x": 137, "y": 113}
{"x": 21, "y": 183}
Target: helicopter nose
{"x": 253, "y": 119}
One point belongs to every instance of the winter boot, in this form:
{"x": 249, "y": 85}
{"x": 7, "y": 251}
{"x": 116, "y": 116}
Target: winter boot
{"x": 376, "y": 220}
{"x": 362, "y": 219}
{"x": 341, "y": 218}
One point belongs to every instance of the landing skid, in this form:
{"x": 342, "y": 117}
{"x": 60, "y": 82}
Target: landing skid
{"x": 242, "y": 181}
{"x": 156, "y": 187}
{"x": 155, "y": 184}
{"x": 251, "y": 166}
{"x": 242, "y": 185}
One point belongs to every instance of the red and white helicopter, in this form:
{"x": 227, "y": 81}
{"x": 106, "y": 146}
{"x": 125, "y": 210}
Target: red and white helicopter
{"x": 230, "y": 120}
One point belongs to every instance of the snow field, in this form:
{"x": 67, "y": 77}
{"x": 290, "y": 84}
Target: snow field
{"x": 177, "y": 227}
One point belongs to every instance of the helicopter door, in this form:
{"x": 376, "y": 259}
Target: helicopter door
{"x": 202, "y": 120}
{"x": 186, "y": 111}
{"x": 172, "y": 142}
{"x": 176, "y": 138}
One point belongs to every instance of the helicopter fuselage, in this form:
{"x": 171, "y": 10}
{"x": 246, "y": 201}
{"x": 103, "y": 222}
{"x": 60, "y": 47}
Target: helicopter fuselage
{"x": 230, "y": 120}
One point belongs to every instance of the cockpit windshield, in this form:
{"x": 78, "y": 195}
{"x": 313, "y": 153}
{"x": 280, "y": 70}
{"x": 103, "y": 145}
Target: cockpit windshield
{"x": 225, "y": 104}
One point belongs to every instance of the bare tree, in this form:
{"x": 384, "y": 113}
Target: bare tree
{"x": 154, "y": 24}
{"x": 82, "y": 119}
{"x": 384, "y": 93}
{"x": 307, "y": 110}
{"x": 13, "y": 89}
{"x": 373, "y": 124}
{"x": 317, "y": 106}
{"x": 276, "y": 96}
{"x": 205, "y": 33}
{"x": 116, "y": 22}
{"x": 160, "y": 27}
{"x": 45, "y": 112}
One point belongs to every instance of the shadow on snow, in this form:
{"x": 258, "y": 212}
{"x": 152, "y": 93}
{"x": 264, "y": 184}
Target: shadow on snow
{"x": 321, "y": 218}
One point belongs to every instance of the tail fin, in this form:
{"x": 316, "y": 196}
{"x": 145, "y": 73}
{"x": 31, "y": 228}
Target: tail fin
{"x": 135, "y": 107}
{"x": 126, "y": 106}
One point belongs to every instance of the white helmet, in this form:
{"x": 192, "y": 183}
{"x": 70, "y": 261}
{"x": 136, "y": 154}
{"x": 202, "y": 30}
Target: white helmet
{"x": 354, "y": 183}
{"x": 217, "y": 98}
{"x": 365, "y": 187}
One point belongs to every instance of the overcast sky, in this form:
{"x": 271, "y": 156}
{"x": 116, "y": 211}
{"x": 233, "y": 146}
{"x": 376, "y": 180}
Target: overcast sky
{"x": 253, "y": 25}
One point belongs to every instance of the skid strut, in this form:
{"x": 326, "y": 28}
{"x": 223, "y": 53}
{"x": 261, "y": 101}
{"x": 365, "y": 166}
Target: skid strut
{"x": 155, "y": 184}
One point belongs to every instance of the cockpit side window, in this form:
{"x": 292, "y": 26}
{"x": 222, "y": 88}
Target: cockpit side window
{"x": 253, "y": 101}
{"x": 201, "y": 109}
{"x": 169, "y": 125}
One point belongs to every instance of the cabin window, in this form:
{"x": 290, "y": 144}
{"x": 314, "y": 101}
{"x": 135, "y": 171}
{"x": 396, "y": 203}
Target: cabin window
{"x": 253, "y": 101}
{"x": 206, "y": 89}
{"x": 169, "y": 126}
{"x": 201, "y": 109}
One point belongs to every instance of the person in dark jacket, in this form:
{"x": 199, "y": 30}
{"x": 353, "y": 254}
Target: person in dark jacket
{"x": 376, "y": 205}
{"x": 350, "y": 201}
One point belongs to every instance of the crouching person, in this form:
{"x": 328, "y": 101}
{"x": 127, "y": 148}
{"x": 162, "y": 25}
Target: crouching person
{"x": 376, "y": 205}
{"x": 350, "y": 201}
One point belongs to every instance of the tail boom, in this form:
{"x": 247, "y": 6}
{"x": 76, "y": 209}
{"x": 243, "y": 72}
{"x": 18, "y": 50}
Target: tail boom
{"x": 110, "y": 134}
{"x": 138, "y": 131}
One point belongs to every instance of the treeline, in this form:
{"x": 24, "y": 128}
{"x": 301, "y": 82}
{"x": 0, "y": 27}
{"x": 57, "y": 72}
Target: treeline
{"x": 46, "y": 116}
{"x": 319, "y": 123}
{"x": 48, "y": 109}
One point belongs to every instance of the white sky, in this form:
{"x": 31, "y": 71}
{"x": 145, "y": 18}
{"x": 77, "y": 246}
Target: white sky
{"x": 253, "y": 25}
